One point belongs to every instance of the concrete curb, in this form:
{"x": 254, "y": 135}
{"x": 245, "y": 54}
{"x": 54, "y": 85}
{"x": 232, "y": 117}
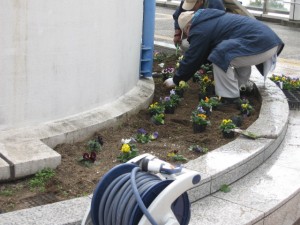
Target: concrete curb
{"x": 269, "y": 195}
{"x": 242, "y": 156}
{"x": 26, "y": 151}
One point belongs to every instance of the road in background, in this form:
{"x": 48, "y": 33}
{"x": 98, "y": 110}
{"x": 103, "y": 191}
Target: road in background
{"x": 164, "y": 30}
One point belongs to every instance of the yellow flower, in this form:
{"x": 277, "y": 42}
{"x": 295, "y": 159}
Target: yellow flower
{"x": 244, "y": 106}
{"x": 154, "y": 105}
{"x": 206, "y": 99}
{"x": 171, "y": 154}
{"x": 203, "y": 116}
{"x": 181, "y": 84}
{"x": 225, "y": 122}
{"x": 125, "y": 148}
{"x": 206, "y": 79}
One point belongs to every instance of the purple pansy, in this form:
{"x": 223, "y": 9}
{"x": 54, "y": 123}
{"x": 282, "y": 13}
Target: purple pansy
{"x": 86, "y": 156}
{"x": 167, "y": 99}
{"x": 93, "y": 156}
{"x": 200, "y": 110}
{"x": 154, "y": 135}
{"x": 141, "y": 131}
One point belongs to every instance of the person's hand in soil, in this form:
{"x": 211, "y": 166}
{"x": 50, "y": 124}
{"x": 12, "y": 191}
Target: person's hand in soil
{"x": 169, "y": 83}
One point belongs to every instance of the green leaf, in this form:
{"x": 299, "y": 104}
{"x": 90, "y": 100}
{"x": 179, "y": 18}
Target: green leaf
{"x": 225, "y": 188}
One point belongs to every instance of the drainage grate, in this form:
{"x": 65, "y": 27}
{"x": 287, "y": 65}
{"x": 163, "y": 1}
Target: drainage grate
{"x": 293, "y": 98}
{"x": 39, "y": 200}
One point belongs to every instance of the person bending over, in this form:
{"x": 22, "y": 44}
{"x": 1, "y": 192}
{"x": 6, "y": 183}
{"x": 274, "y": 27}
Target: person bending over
{"x": 232, "y": 43}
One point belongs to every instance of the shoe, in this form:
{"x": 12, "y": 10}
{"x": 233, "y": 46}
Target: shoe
{"x": 229, "y": 101}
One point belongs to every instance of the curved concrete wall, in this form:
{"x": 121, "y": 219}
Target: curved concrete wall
{"x": 63, "y": 57}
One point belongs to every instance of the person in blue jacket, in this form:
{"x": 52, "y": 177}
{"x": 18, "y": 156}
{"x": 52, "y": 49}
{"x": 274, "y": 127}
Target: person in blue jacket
{"x": 191, "y": 5}
{"x": 232, "y": 43}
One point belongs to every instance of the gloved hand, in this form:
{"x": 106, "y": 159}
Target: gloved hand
{"x": 169, "y": 83}
{"x": 177, "y": 37}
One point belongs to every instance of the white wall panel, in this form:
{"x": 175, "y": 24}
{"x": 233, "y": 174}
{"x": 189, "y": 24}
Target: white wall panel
{"x": 63, "y": 57}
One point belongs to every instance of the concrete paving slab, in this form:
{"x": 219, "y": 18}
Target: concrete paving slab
{"x": 29, "y": 157}
{"x": 286, "y": 214}
{"x": 62, "y": 213}
{"x": 273, "y": 188}
{"x": 288, "y": 154}
{"x": 260, "y": 223}
{"x": 266, "y": 189}
{"x": 236, "y": 153}
{"x": 294, "y": 117}
{"x": 199, "y": 192}
{"x": 216, "y": 211}
{"x": 237, "y": 173}
{"x": 4, "y": 170}
{"x": 29, "y": 149}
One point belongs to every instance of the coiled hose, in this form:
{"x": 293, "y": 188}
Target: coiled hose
{"x": 125, "y": 199}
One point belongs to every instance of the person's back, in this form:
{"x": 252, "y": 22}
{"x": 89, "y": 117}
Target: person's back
{"x": 232, "y": 43}
{"x": 231, "y": 35}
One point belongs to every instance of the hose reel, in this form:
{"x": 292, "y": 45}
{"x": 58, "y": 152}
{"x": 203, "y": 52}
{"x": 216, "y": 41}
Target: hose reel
{"x": 143, "y": 191}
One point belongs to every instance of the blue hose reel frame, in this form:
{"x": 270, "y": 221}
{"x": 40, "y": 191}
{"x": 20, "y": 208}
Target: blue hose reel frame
{"x": 180, "y": 207}
{"x": 103, "y": 184}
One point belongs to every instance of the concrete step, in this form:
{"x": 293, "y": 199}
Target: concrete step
{"x": 234, "y": 160}
{"x": 27, "y": 150}
{"x": 269, "y": 195}
{"x": 226, "y": 164}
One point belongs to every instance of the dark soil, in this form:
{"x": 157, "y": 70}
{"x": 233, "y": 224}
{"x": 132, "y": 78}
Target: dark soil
{"x": 72, "y": 179}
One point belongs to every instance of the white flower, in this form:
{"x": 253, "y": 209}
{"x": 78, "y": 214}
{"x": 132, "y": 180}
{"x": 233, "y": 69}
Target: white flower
{"x": 161, "y": 65}
{"x": 125, "y": 141}
{"x": 128, "y": 141}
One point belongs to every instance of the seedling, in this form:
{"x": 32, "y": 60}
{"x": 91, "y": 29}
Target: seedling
{"x": 225, "y": 188}
{"x": 6, "y": 192}
{"x": 41, "y": 178}
{"x": 94, "y": 146}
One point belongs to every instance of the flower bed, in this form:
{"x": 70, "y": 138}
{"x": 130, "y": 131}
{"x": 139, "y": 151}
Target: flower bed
{"x": 290, "y": 87}
{"x": 176, "y": 143}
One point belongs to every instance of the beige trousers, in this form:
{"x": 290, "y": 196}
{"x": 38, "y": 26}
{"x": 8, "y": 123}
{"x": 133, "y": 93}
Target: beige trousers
{"x": 227, "y": 84}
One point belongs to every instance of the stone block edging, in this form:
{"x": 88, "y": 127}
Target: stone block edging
{"x": 27, "y": 150}
{"x": 240, "y": 156}
{"x": 234, "y": 160}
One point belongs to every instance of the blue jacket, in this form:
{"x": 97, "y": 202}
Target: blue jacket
{"x": 219, "y": 37}
{"x": 213, "y": 4}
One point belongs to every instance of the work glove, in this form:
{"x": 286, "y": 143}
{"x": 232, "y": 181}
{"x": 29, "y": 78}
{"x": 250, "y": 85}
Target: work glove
{"x": 169, "y": 83}
{"x": 177, "y": 37}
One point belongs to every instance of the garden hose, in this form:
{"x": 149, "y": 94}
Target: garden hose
{"x": 123, "y": 195}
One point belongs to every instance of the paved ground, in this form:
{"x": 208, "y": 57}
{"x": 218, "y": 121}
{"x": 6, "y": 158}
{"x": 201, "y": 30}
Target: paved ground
{"x": 290, "y": 36}
{"x": 289, "y": 60}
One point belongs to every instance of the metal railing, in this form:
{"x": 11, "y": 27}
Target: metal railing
{"x": 265, "y": 6}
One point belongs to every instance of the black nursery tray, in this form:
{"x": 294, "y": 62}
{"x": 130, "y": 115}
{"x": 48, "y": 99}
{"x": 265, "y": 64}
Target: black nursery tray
{"x": 293, "y": 98}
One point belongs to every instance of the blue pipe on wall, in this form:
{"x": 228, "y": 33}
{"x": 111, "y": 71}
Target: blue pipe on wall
{"x": 148, "y": 38}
